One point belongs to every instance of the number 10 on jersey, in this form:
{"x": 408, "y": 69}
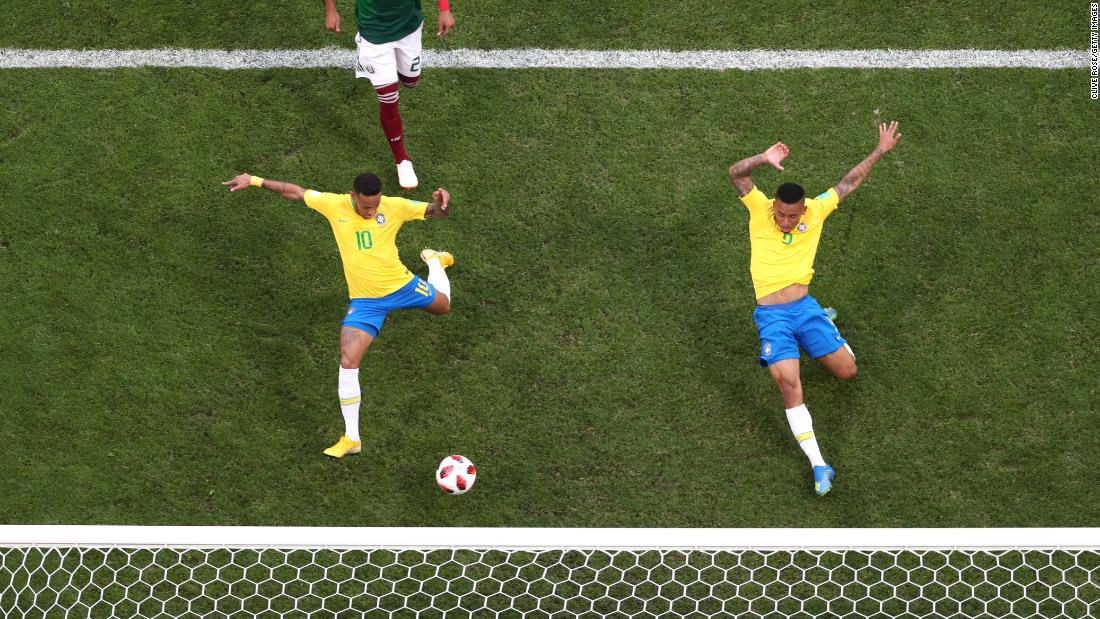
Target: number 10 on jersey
{"x": 363, "y": 239}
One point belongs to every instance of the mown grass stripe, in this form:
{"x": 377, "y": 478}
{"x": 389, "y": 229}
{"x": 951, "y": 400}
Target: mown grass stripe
{"x": 760, "y": 59}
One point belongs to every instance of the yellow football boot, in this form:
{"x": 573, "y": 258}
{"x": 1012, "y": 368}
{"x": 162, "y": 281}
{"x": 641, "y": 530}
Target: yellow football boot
{"x": 445, "y": 257}
{"x": 343, "y": 447}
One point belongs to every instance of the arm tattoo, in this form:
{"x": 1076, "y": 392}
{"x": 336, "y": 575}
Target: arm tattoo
{"x": 433, "y": 211}
{"x": 273, "y": 185}
{"x": 283, "y": 188}
{"x": 740, "y": 171}
{"x": 743, "y": 185}
{"x": 854, "y": 178}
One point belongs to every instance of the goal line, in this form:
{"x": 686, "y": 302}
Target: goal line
{"x": 550, "y": 538}
{"x": 720, "y": 60}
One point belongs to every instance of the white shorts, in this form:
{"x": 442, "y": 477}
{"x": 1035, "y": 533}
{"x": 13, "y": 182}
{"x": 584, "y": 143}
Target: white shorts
{"x": 382, "y": 63}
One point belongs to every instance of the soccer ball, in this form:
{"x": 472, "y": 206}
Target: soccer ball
{"x": 456, "y": 475}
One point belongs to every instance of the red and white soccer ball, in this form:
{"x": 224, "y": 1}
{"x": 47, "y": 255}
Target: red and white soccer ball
{"x": 456, "y": 475}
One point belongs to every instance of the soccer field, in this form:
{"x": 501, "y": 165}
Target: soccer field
{"x": 169, "y": 350}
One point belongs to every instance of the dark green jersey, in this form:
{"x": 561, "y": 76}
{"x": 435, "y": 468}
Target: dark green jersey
{"x": 383, "y": 21}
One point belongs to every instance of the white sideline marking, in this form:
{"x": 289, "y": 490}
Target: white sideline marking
{"x": 748, "y": 60}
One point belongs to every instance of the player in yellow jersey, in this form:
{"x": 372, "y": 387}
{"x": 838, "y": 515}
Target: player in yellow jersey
{"x": 784, "y": 234}
{"x": 365, "y": 224}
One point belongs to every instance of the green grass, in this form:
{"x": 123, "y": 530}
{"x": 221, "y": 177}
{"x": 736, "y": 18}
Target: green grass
{"x": 699, "y": 24}
{"x": 169, "y": 350}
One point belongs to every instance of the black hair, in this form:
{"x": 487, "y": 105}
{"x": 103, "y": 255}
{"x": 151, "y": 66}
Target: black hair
{"x": 790, "y": 193}
{"x": 367, "y": 184}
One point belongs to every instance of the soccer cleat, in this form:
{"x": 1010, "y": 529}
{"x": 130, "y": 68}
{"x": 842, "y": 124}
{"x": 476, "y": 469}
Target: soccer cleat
{"x": 343, "y": 447}
{"x": 405, "y": 175}
{"x": 831, "y": 314}
{"x": 445, "y": 257}
{"x": 823, "y": 479}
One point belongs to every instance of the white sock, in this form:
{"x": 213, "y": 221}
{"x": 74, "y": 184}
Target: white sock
{"x": 803, "y": 428}
{"x": 349, "y": 401}
{"x": 437, "y": 276}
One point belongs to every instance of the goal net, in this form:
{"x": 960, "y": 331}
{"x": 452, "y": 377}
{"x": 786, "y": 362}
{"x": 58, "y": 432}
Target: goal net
{"x": 121, "y": 571}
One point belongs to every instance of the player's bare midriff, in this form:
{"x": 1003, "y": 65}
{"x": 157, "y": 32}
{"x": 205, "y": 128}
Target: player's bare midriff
{"x": 793, "y": 292}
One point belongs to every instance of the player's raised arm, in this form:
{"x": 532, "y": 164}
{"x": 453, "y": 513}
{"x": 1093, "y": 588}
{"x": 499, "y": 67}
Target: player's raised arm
{"x": 440, "y": 206}
{"x": 246, "y": 180}
{"x": 740, "y": 172}
{"x": 332, "y": 16}
{"x": 888, "y": 137}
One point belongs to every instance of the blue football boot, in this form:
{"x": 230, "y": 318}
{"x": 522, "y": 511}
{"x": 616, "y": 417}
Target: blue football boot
{"x": 823, "y": 479}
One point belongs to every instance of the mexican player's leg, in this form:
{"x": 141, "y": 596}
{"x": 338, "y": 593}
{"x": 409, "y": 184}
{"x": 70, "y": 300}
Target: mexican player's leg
{"x": 378, "y": 63}
{"x": 408, "y": 81}
{"x": 407, "y": 53}
{"x": 406, "y": 175}
{"x": 389, "y": 116}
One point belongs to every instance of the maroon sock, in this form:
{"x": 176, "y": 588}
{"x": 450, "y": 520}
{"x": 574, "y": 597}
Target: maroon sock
{"x": 390, "y": 117}
{"x": 407, "y": 81}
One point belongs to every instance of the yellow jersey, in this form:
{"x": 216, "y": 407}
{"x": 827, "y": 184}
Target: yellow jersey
{"x": 368, "y": 248}
{"x": 780, "y": 259}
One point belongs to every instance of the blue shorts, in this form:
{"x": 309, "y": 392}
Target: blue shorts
{"x": 368, "y": 314}
{"x": 786, "y": 326}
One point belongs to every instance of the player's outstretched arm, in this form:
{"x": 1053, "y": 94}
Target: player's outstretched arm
{"x": 440, "y": 206}
{"x": 332, "y": 16}
{"x": 740, "y": 172}
{"x": 246, "y": 180}
{"x": 888, "y": 137}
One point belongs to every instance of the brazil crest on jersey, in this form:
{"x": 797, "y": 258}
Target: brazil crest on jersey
{"x": 368, "y": 247}
{"x": 384, "y": 21}
{"x": 780, "y": 259}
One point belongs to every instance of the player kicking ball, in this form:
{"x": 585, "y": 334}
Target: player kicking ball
{"x": 784, "y": 234}
{"x": 365, "y": 224}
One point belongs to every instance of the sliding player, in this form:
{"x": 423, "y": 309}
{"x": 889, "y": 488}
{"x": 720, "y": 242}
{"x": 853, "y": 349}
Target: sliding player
{"x": 365, "y": 224}
{"x": 784, "y": 234}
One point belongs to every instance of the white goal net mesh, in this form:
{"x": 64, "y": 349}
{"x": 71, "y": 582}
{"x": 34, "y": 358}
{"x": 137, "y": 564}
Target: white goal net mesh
{"x": 120, "y": 581}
